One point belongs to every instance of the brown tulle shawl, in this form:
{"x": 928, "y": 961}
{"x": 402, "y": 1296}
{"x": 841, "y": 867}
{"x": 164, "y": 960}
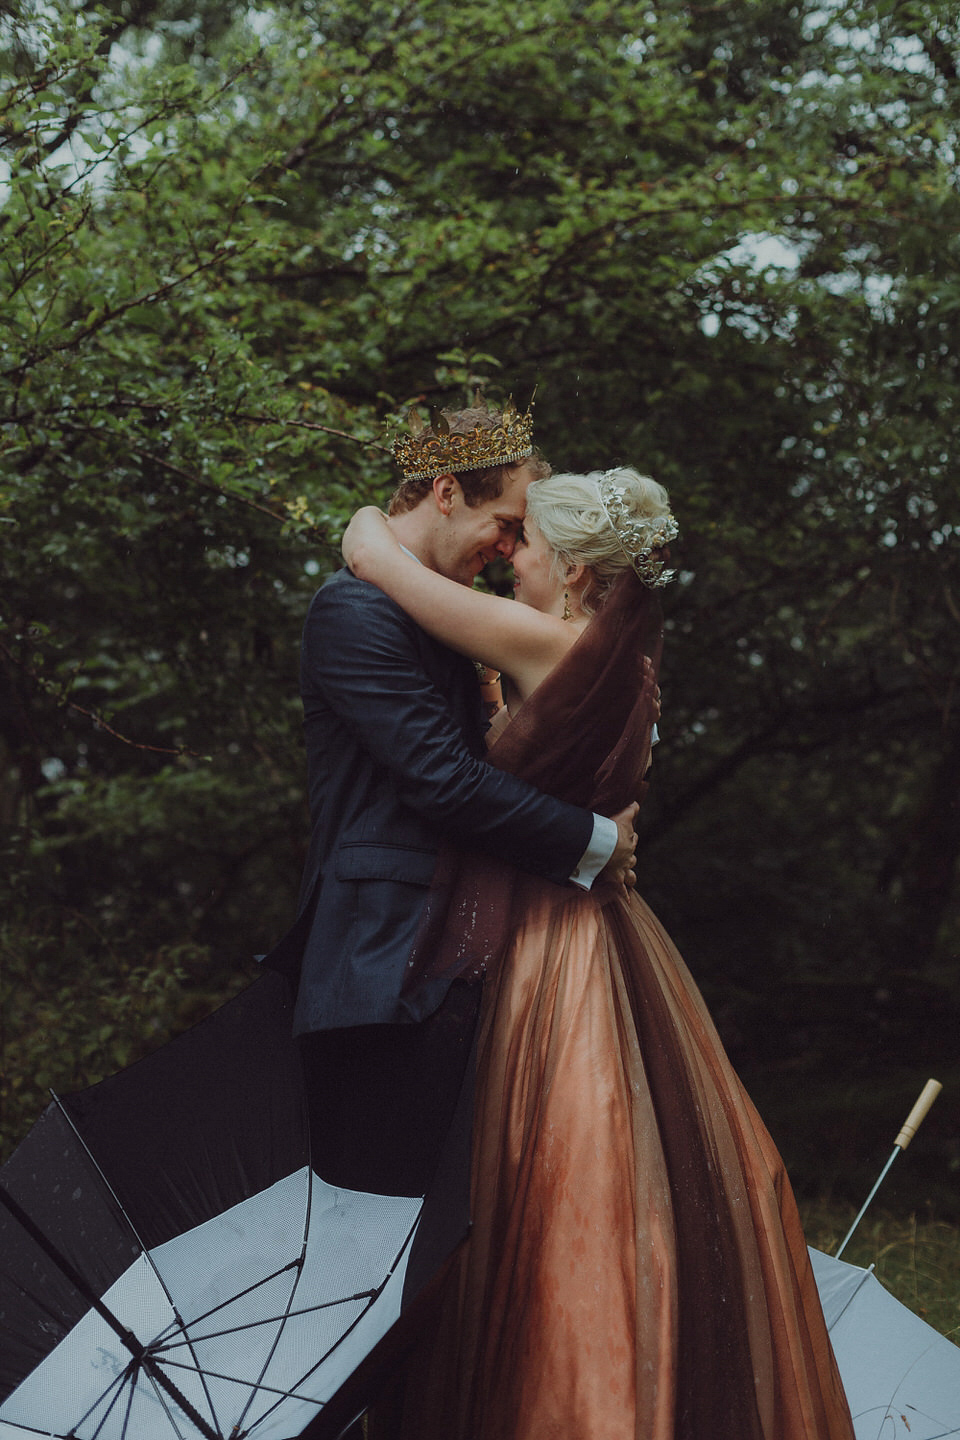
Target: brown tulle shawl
{"x": 583, "y": 736}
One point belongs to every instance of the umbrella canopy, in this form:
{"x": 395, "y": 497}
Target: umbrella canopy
{"x": 182, "y": 1253}
{"x": 901, "y": 1377}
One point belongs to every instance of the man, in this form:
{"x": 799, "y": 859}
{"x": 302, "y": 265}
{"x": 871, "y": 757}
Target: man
{"x": 394, "y": 734}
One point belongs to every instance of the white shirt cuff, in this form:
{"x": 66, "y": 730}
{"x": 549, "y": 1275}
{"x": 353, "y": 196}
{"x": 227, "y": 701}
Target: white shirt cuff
{"x": 603, "y": 842}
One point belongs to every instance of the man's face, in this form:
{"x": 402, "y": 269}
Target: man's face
{"x": 472, "y": 536}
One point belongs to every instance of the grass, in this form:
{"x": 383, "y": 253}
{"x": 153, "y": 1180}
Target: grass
{"x": 917, "y": 1260}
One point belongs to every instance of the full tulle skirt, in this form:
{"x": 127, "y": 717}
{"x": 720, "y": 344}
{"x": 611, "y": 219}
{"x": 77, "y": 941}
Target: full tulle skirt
{"x": 636, "y": 1268}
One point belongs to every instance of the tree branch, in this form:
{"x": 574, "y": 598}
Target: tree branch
{"x": 282, "y": 422}
{"x": 84, "y": 333}
{"x": 52, "y": 689}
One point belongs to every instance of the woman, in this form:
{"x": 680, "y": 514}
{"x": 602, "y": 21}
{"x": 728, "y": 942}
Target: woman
{"x": 636, "y": 1268}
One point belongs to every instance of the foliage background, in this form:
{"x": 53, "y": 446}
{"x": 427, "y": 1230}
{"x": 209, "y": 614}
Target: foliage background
{"x": 721, "y": 242}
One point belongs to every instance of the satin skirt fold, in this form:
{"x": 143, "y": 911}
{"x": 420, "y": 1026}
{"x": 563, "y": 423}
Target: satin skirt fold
{"x": 636, "y": 1268}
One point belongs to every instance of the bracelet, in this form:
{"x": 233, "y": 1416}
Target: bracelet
{"x": 482, "y": 675}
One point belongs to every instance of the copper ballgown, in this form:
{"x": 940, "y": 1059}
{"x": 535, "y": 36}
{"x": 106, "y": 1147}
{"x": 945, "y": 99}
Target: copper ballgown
{"x": 636, "y": 1268}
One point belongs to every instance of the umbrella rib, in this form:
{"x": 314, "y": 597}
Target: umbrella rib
{"x": 32, "y": 1430}
{"x": 883, "y": 1411}
{"x": 126, "y": 1419}
{"x": 852, "y": 1296}
{"x": 374, "y": 1295}
{"x": 275, "y": 1389}
{"x": 106, "y": 1183}
{"x": 158, "y": 1379}
{"x": 369, "y": 1295}
{"x": 134, "y": 1232}
{"x": 117, "y": 1383}
{"x": 294, "y": 1394}
{"x": 257, "y": 1384}
{"x": 903, "y": 1379}
{"x": 129, "y": 1374}
{"x": 53, "y": 1314}
{"x": 126, "y": 1337}
{"x": 159, "y": 1382}
{"x": 308, "y": 1208}
{"x": 66, "y": 1268}
{"x": 240, "y": 1295}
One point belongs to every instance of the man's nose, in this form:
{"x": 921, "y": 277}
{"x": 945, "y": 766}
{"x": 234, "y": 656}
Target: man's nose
{"x": 506, "y": 545}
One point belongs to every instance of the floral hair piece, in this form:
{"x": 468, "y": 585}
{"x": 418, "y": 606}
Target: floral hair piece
{"x": 424, "y": 456}
{"x": 639, "y": 539}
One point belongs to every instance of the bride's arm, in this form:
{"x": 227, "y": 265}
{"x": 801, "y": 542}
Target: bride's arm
{"x": 500, "y": 632}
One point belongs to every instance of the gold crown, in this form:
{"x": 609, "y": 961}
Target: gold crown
{"x": 423, "y": 455}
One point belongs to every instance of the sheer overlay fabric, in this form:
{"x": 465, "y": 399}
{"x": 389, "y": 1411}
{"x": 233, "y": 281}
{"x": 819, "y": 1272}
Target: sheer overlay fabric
{"x": 636, "y": 1268}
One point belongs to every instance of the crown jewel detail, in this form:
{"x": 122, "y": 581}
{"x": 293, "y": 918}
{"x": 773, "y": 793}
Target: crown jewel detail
{"x": 423, "y": 456}
{"x": 639, "y": 539}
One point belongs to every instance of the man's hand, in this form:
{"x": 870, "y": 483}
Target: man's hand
{"x": 621, "y": 867}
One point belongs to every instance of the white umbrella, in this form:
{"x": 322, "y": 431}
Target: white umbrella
{"x": 901, "y": 1377}
{"x": 184, "y": 1257}
{"x": 256, "y": 1329}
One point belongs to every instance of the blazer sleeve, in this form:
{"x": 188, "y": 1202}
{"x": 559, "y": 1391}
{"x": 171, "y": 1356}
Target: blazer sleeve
{"x": 362, "y": 654}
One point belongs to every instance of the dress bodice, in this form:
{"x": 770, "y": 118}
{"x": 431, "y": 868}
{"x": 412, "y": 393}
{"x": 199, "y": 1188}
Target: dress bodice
{"x": 585, "y": 733}
{"x": 583, "y": 736}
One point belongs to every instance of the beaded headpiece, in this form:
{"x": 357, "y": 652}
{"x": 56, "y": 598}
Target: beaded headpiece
{"x": 639, "y": 539}
{"x": 423, "y": 456}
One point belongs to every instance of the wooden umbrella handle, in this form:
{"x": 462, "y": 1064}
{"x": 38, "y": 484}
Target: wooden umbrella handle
{"x": 914, "y": 1120}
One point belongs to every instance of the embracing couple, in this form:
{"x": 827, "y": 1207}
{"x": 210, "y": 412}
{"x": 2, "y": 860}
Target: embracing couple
{"x": 635, "y": 1266}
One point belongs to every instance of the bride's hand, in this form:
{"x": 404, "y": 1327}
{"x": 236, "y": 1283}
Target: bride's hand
{"x": 648, "y": 674}
{"x": 363, "y": 538}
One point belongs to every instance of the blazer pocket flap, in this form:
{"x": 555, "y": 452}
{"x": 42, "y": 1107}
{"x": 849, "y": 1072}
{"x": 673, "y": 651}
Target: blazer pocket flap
{"x": 361, "y": 861}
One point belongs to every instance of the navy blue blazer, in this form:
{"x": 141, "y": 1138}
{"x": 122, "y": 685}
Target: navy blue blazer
{"x": 394, "y": 738}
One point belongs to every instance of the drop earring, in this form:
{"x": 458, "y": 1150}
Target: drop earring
{"x": 567, "y": 612}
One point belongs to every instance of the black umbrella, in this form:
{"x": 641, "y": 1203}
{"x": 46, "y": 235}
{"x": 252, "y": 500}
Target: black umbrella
{"x": 202, "y": 1245}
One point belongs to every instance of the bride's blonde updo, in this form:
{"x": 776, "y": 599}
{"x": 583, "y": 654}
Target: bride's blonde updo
{"x": 608, "y": 521}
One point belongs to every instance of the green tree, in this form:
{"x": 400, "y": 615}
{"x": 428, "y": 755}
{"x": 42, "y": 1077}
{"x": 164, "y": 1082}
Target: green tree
{"x": 721, "y": 242}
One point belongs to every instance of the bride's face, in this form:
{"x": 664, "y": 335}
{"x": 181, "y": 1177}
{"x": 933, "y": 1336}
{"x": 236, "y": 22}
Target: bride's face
{"x": 534, "y": 582}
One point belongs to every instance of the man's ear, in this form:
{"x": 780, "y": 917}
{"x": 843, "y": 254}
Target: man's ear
{"x": 444, "y": 490}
